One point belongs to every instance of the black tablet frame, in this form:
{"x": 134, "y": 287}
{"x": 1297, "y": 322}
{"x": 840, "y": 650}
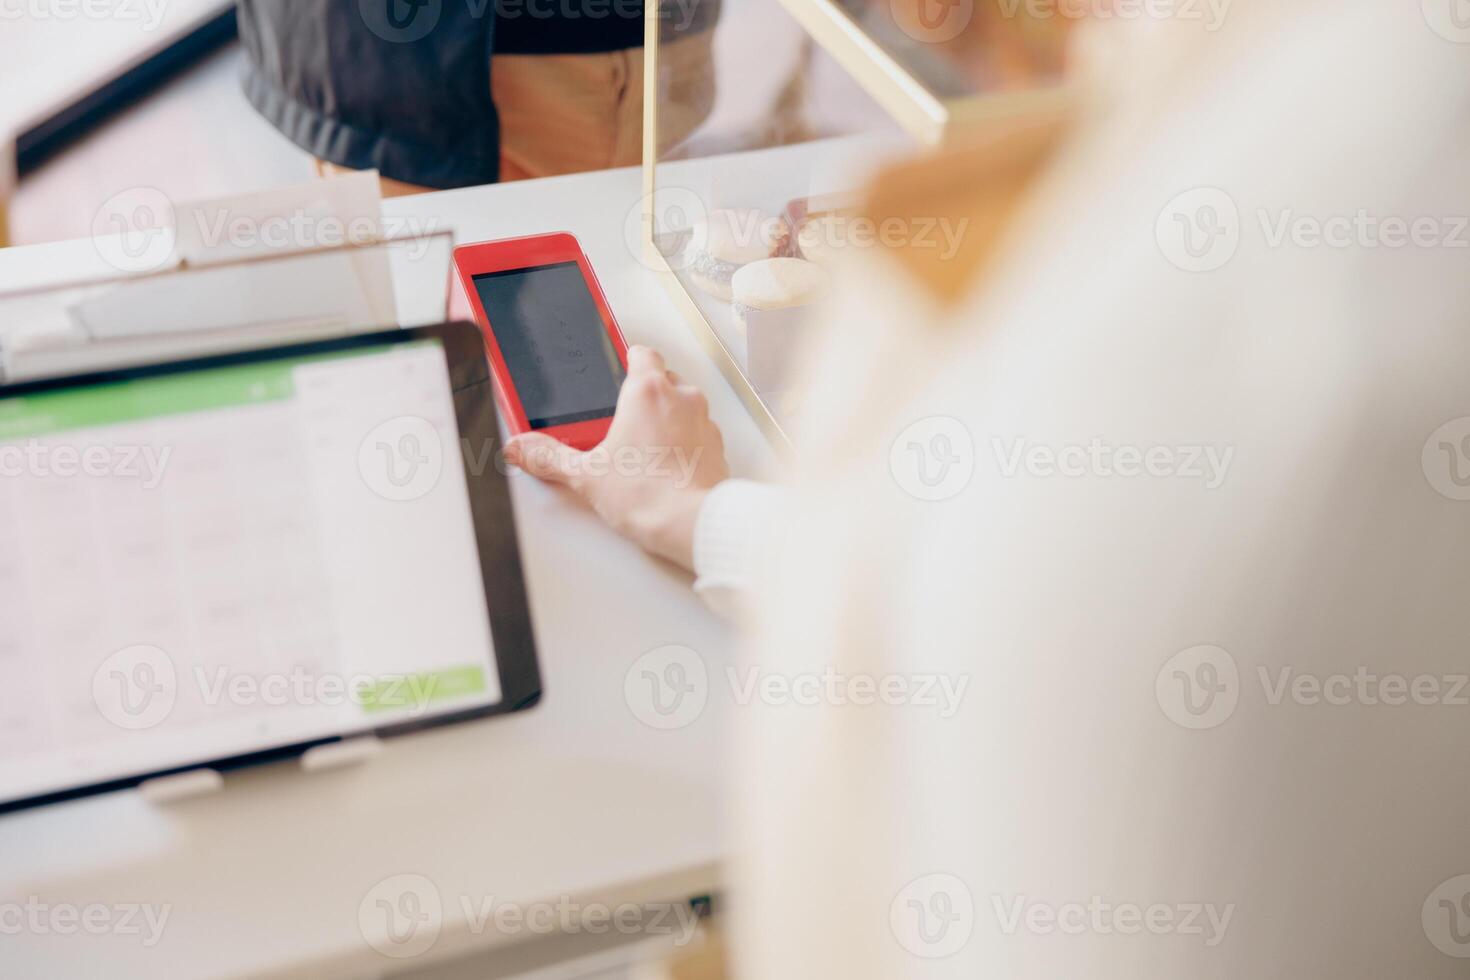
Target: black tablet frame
{"x": 490, "y": 505}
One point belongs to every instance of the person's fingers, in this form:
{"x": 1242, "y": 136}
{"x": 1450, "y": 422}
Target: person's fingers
{"x": 544, "y": 458}
{"x": 694, "y": 398}
{"x": 674, "y": 378}
{"x": 645, "y": 360}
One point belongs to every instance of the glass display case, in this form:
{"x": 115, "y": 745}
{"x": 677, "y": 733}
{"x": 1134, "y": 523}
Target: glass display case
{"x": 764, "y": 117}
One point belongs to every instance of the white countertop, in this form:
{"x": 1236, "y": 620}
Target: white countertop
{"x": 576, "y": 799}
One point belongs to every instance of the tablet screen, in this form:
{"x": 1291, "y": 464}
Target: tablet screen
{"x": 554, "y": 343}
{"x": 205, "y": 564}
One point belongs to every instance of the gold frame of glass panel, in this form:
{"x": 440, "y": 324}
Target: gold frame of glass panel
{"x": 925, "y": 116}
{"x": 703, "y": 330}
{"x": 918, "y": 111}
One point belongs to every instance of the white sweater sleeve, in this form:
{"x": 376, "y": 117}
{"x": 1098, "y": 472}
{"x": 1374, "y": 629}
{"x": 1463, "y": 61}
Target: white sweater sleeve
{"x": 728, "y": 536}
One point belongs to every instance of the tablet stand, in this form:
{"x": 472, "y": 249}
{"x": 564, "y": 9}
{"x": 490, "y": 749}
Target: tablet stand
{"x": 348, "y": 752}
{"x": 182, "y": 786}
{"x": 195, "y": 783}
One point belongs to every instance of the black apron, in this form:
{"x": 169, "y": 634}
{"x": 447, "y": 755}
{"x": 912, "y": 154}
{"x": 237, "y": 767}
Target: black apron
{"x": 403, "y": 86}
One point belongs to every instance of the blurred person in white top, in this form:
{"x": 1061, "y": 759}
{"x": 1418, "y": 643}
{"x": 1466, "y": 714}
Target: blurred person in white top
{"x": 1198, "y": 560}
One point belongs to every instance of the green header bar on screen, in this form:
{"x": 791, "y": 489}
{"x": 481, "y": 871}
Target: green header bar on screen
{"x": 130, "y": 401}
{"x": 33, "y": 416}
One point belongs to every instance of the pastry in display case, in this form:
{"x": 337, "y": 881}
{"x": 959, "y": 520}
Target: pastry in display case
{"x": 753, "y": 163}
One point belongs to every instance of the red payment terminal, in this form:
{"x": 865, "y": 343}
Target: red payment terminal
{"x": 556, "y": 353}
